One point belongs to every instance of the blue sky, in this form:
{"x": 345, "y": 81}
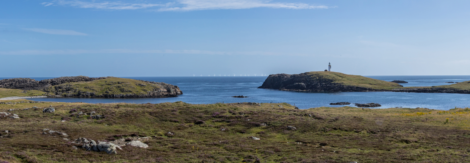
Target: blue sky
{"x": 48, "y": 38}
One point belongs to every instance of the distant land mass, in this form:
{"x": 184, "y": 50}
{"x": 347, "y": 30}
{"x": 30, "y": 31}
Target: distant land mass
{"x": 86, "y": 87}
{"x": 326, "y": 81}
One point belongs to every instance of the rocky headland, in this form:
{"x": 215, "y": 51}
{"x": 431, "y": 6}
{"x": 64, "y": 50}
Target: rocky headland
{"x": 86, "y": 87}
{"x": 339, "y": 82}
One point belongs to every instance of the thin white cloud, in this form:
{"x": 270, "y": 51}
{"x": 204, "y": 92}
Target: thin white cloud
{"x": 185, "y": 5}
{"x": 190, "y": 5}
{"x": 105, "y": 4}
{"x": 47, "y": 3}
{"x": 56, "y": 31}
{"x": 127, "y": 51}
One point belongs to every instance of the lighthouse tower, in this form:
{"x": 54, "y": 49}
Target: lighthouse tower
{"x": 329, "y": 66}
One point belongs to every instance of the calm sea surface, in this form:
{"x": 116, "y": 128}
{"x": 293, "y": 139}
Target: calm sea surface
{"x": 206, "y": 90}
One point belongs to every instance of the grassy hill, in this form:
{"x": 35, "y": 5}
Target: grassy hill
{"x": 354, "y": 80}
{"x": 21, "y": 93}
{"x": 324, "y": 134}
{"x": 113, "y": 86}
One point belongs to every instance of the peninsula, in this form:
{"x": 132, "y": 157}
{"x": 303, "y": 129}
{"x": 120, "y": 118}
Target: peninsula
{"x": 86, "y": 87}
{"x": 319, "y": 81}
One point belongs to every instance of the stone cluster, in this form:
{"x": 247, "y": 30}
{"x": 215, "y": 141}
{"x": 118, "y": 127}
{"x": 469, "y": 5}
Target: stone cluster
{"x": 8, "y": 115}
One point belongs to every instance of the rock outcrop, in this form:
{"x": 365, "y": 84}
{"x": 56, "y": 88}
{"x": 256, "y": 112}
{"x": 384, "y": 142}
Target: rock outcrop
{"x": 399, "y": 81}
{"x": 368, "y": 105}
{"x": 341, "y": 103}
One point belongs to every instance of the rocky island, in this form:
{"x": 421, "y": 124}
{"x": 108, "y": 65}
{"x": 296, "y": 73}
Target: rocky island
{"x": 319, "y": 81}
{"x": 326, "y": 82}
{"x": 86, "y": 87}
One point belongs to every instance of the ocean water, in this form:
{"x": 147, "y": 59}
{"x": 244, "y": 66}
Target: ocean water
{"x": 207, "y": 90}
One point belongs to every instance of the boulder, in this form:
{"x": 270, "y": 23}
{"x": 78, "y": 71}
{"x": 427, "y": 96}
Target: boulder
{"x": 91, "y": 145}
{"x": 54, "y": 133}
{"x": 368, "y": 105}
{"x": 49, "y": 110}
{"x": 97, "y": 117}
{"x": 291, "y": 128}
{"x": 255, "y": 138}
{"x": 137, "y": 144}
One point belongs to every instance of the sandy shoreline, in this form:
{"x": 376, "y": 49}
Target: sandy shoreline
{"x": 25, "y": 97}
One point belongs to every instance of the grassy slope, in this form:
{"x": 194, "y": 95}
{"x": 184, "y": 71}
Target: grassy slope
{"x": 18, "y": 92}
{"x": 113, "y": 85}
{"x": 460, "y": 86}
{"x": 350, "y": 134}
{"x": 355, "y": 80}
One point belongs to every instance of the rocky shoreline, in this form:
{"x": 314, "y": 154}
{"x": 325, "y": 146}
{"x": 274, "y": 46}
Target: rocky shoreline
{"x": 432, "y": 90}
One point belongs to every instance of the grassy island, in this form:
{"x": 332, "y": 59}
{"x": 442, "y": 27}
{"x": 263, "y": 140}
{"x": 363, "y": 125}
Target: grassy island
{"x": 82, "y": 86}
{"x": 246, "y": 132}
{"x": 111, "y": 87}
{"x": 320, "y": 81}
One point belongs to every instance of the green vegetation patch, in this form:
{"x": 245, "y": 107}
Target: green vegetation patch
{"x": 355, "y": 80}
{"x": 18, "y": 92}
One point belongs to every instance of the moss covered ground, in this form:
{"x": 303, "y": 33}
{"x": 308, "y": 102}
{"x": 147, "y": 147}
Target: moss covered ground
{"x": 17, "y": 92}
{"x": 324, "y": 134}
{"x": 354, "y": 80}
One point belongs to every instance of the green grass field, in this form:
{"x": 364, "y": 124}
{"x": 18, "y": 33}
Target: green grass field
{"x": 17, "y": 92}
{"x": 324, "y": 134}
{"x": 355, "y": 80}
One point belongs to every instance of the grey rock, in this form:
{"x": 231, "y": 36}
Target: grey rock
{"x": 49, "y": 110}
{"x": 291, "y": 128}
{"x": 137, "y": 144}
{"x": 15, "y": 116}
{"x": 255, "y": 138}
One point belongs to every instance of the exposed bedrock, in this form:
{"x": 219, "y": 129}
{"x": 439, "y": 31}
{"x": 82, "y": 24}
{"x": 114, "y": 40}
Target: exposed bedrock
{"x": 399, "y": 81}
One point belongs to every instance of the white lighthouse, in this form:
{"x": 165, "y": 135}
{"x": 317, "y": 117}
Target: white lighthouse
{"x": 329, "y": 66}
